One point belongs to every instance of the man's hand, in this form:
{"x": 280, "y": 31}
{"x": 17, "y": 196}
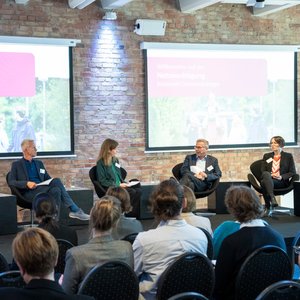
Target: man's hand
{"x": 201, "y": 175}
{"x": 31, "y": 185}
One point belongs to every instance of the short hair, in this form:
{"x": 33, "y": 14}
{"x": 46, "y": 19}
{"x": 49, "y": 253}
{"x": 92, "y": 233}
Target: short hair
{"x": 167, "y": 199}
{"x": 243, "y": 203}
{"x": 190, "y": 199}
{"x": 105, "y": 213}
{"x": 121, "y": 194}
{"x": 279, "y": 140}
{"x": 203, "y": 141}
{"x": 45, "y": 208}
{"x": 25, "y": 143}
{"x": 36, "y": 251}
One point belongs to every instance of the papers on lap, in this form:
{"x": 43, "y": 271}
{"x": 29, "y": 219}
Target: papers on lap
{"x": 46, "y": 182}
{"x": 132, "y": 183}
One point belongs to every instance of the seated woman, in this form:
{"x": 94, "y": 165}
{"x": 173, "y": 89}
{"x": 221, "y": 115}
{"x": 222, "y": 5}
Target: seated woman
{"x": 109, "y": 174}
{"x": 125, "y": 225}
{"x": 100, "y": 249}
{"x": 277, "y": 169}
{"x": 46, "y": 212}
{"x": 187, "y": 212}
{"x": 243, "y": 203}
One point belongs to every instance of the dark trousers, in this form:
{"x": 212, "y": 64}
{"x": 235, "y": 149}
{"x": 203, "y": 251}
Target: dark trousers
{"x": 135, "y": 194}
{"x": 194, "y": 183}
{"x": 268, "y": 184}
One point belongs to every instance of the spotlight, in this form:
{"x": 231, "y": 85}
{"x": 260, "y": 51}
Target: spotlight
{"x": 260, "y": 4}
{"x": 110, "y": 15}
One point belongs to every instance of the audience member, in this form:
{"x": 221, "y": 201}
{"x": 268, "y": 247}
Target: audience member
{"x": 277, "y": 169}
{"x": 46, "y": 212}
{"x": 189, "y": 216}
{"x": 27, "y": 173}
{"x": 200, "y": 170}
{"x": 109, "y": 174}
{"x": 155, "y": 249}
{"x": 243, "y": 203}
{"x": 125, "y": 225}
{"x": 101, "y": 248}
{"x": 36, "y": 251}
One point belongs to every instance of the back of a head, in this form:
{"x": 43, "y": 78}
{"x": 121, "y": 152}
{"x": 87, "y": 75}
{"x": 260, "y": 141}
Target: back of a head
{"x": 36, "y": 250}
{"x": 190, "y": 199}
{"x": 105, "y": 213}
{"x": 243, "y": 203}
{"x": 121, "y": 194}
{"x": 167, "y": 199}
{"x": 45, "y": 207}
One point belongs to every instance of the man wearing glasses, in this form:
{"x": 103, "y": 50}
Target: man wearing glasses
{"x": 200, "y": 170}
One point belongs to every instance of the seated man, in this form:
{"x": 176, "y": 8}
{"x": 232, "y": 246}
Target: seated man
{"x": 36, "y": 252}
{"x": 200, "y": 170}
{"x": 26, "y": 173}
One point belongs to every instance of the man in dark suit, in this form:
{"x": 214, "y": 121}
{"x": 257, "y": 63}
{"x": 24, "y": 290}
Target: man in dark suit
{"x": 27, "y": 174}
{"x": 200, "y": 170}
{"x": 36, "y": 252}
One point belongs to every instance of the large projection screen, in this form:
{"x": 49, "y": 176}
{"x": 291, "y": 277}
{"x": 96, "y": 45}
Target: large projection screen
{"x": 36, "y": 95}
{"x": 235, "y": 96}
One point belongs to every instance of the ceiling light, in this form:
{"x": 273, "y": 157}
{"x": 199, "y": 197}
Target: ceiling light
{"x": 110, "y": 15}
{"x": 260, "y": 4}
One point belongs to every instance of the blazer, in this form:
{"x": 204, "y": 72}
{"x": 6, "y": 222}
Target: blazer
{"x": 287, "y": 165}
{"x": 81, "y": 259}
{"x": 19, "y": 176}
{"x": 38, "y": 289}
{"x": 212, "y": 168}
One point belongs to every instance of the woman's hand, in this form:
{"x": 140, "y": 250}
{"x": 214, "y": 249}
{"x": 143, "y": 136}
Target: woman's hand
{"x": 123, "y": 185}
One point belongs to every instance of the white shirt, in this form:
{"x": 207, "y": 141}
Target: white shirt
{"x": 156, "y": 249}
{"x": 197, "y": 221}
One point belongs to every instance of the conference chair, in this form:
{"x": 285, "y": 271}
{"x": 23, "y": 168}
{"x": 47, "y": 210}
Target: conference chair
{"x": 295, "y": 247}
{"x": 21, "y": 200}
{"x": 113, "y": 280}
{"x": 188, "y": 296}
{"x": 190, "y": 272}
{"x": 210, "y": 246}
{"x": 254, "y": 179}
{"x": 3, "y": 263}
{"x": 63, "y": 247}
{"x": 99, "y": 189}
{"x": 262, "y": 267}
{"x": 130, "y": 237}
{"x": 281, "y": 290}
{"x": 11, "y": 279}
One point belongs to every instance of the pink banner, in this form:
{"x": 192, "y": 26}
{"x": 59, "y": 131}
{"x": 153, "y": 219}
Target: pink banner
{"x": 190, "y": 77}
{"x": 17, "y": 74}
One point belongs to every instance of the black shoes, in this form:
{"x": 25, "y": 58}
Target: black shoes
{"x": 273, "y": 201}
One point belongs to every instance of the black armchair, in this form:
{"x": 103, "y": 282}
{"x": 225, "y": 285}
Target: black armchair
{"x": 23, "y": 202}
{"x": 255, "y": 176}
{"x": 202, "y": 194}
{"x": 99, "y": 189}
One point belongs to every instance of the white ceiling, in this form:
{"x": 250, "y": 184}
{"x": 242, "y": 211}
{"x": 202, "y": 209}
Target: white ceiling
{"x": 190, "y": 6}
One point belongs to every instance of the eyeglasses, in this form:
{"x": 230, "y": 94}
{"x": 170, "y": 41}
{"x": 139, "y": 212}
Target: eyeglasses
{"x": 200, "y": 147}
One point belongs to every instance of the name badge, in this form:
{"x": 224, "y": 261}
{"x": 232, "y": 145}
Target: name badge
{"x": 210, "y": 168}
{"x": 269, "y": 160}
{"x": 118, "y": 165}
{"x": 42, "y": 171}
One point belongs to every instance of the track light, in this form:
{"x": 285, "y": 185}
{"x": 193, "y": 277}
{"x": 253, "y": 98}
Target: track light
{"x": 260, "y": 4}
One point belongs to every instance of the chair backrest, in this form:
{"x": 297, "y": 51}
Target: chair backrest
{"x": 130, "y": 237}
{"x": 3, "y": 264}
{"x": 255, "y": 169}
{"x": 21, "y": 200}
{"x": 63, "y": 247}
{"x": 100, "y": 191}
{"x": 113, "y": 280}
{"x": 11, "y": 279}
{"x": 176, "y": 171}
{"x": 281, "y": 290}
{"x": 210, "y": 246}
{"x": 262, "y": 267}
{"x": 188, "y": 296}
{"x": 190, "y": 272}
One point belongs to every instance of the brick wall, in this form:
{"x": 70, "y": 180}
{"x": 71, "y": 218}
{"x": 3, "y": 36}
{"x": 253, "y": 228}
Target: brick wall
{"x": 109, "y": 74}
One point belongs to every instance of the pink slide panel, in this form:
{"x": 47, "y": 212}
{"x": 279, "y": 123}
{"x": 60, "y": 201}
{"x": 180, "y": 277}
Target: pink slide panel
{"x": 17, "y": 74}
